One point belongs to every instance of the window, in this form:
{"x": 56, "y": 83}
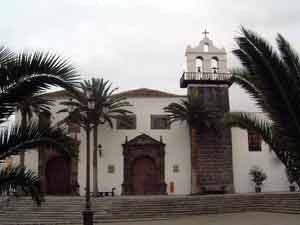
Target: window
{"x": 254, "y": 141}
{"x": 128, "y": 123}
{"x": 160, "y": 122}
{"x": 214, "y": 65}
{"x": 111, "y": 169}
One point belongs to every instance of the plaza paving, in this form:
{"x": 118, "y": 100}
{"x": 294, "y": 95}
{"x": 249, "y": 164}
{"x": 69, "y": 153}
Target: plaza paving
{"x": 247, "y": 218}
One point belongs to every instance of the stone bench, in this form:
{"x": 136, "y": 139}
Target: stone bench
{"x": 106, "y": 193}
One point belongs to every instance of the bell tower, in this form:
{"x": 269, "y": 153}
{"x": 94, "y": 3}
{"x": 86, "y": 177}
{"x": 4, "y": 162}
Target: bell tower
{"x": 207, "y": 78}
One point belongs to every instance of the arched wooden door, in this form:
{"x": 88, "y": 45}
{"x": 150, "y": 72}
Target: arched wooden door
{"x": 145, "y": 177}
{"x": 58, "y": 176}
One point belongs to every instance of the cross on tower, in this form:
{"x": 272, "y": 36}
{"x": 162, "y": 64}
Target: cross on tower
{"x": 205, "y": 33}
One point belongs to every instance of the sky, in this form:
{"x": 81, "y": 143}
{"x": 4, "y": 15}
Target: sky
{"x": 141, "y": 43}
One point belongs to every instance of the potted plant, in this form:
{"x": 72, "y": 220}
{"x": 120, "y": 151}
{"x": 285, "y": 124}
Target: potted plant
{"x": 258, "y": 177}
{"x": 290, "y": 173}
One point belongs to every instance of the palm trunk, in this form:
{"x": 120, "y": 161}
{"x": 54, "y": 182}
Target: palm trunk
{"x": 95, "y": 161}
{"x": 23, "y": 124}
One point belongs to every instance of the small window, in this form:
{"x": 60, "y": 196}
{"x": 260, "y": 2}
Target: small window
{"x": 111, "y": 169}
{"x": 254, "y": 141}
{"x": 160, "y": 122}
{"x": 126, "y": 124}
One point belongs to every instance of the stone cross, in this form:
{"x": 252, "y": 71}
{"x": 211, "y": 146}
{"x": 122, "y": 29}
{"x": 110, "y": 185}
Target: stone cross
{"x": 205, "y": 33}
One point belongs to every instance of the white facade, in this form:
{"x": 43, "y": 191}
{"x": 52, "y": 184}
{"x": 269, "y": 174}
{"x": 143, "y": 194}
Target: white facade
{"x": 177, "y": 152}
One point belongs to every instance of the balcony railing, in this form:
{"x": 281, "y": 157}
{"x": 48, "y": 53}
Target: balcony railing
{"x": 204, "y": 78}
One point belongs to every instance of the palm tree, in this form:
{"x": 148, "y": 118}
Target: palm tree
{"x": 108, "y": 106}
{"x": 272, "y": 78}
{"x": 27, "y": 108}
{"x": 194, "y": 112}
{"x": 23, "y": 76}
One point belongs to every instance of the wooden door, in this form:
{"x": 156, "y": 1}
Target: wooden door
{"x": 145, "y": 177}
{"x": 58, "y": 176}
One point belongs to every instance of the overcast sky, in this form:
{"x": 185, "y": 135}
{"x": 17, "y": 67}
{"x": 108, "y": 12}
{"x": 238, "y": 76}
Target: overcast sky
{"x": 141, "y": 43}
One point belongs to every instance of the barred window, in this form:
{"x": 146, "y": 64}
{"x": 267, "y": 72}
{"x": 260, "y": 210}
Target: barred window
{"x": 254, "y": 141}
{"x": 128, "y": 123}
{"x": 160, "y": 122}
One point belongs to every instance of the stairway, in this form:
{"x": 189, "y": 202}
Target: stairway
{"x": 67, "y": 210}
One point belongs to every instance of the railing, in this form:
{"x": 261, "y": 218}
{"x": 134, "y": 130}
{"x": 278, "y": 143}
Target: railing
{"x": 204, "y": 77}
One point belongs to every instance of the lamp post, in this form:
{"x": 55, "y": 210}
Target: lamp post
{"x": 88, "y": 213}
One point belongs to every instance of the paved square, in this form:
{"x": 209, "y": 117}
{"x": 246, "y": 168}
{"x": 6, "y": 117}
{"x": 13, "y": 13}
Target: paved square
{"x": 247, "y": 218}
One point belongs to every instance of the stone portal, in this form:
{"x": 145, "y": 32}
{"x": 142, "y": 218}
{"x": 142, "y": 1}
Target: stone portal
{"x": 144, "y": 164}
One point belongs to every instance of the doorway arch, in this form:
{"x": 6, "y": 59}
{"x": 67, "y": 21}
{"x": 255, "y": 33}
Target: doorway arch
{"x": 58, "y": 176}
{"x": 144, "y": 166}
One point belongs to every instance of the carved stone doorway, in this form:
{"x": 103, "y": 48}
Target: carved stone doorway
{"x": 144, "y": 165}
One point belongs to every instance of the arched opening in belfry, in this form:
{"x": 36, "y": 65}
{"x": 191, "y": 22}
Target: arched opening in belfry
{"x": 205, "y": 47}
{"x": 214, "y": 64}
{"x": 199, "y": 64}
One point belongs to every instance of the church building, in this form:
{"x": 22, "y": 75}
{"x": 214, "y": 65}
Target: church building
{"x": 151, "y": 157}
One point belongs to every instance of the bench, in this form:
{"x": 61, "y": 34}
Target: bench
{"x": 106, "y": 193}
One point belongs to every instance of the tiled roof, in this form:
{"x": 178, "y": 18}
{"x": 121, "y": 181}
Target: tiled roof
{"x": 145, "y": 92}
{"x": 141, "y": 92}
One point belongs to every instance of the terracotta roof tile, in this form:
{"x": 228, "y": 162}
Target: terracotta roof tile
{"x": 145, "y": 92}
{"x": 141, "y": 92}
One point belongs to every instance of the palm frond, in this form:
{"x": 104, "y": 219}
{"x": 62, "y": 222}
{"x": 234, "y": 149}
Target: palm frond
{"x": 250, "y": 121}
{"x": 16, "y": 178}
{"x": 34, "y": 105}
{"x": 108, "y": 106}
{"x": 17, "y": 138}
{"x": 195, "y": 113}
{"x": 269, "y": 74}
{"x": 28, "y": 74}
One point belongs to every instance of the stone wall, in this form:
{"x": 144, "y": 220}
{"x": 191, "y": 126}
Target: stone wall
{"x": 211, "y": 150}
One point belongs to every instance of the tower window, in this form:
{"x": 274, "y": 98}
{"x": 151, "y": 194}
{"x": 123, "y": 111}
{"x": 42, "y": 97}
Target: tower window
{"x": 199, "y": 64}
{"x": 254, "y": 141}
{"x": 214, "y": 65}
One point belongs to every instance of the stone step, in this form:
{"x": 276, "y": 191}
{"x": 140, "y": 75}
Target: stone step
{"x": 68, "y": 209}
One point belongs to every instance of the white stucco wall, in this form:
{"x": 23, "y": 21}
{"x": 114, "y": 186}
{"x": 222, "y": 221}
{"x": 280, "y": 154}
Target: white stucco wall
{"x": 176, "y": 139}
{"x": 243, "y": 161}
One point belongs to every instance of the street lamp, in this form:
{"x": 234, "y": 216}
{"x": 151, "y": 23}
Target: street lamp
{"x": 100, "y": 150}
{"x": 88, "y": 213}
